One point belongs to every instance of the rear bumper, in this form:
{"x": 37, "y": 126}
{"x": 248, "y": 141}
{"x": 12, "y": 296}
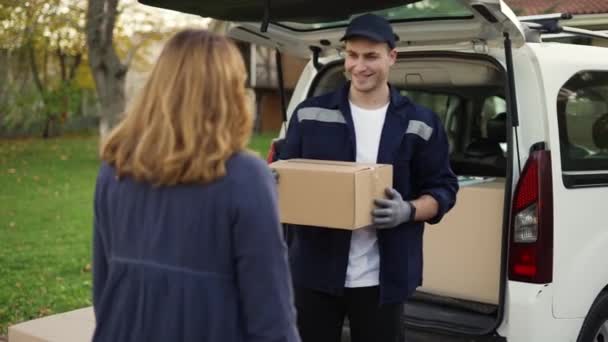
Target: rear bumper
{"x": 528, "y": 316}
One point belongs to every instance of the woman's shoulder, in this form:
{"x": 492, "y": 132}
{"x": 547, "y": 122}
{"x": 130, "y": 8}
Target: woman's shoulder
{"x": 106, "y": 171}
{"x": 246, "y": 159}
{"x": 247, "y": 165}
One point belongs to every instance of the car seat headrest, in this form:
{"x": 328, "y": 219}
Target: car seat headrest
{"x": 496, "y": 128}
{"x": 600, "y": 132}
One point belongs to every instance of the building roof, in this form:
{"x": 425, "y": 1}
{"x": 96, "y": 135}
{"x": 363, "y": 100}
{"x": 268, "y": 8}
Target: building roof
{"x": 534, "y": 7}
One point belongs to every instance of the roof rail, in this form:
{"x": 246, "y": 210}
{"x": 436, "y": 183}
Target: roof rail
{"x": 553, "y": 36}
{"x": 584, "y": 33}
{"x": 550, "y": 24}
{"x": 545, "y": 23}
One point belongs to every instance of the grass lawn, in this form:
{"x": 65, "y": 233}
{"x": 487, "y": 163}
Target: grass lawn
{"x": 46, "y": 191}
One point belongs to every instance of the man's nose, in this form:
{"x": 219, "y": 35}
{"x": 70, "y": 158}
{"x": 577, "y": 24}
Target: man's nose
{"x": 358, "y": 65}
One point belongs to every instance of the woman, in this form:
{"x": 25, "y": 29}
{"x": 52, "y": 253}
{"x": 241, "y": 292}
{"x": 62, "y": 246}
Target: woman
{"x": 187, "y": 243}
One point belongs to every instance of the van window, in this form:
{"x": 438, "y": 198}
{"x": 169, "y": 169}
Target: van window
{"x": 444, "y": 105}
{"x": 477, "y": 139}
{"x": 493, "y": 107}
{"x": 420, "y": 10}
{"x": 474, "y": 121}
{"x": 582, "y": 109}
{"x": 582, "y": 114}
{"x": 437, "y": 102}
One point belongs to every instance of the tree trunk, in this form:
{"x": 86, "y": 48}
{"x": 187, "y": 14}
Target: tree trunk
{"x": 5, "y": 59}
{"x": 112, "y": 104}
{"x": 108, "y": 71}
{"x": 49, "y": 117}
{"x": 218, "y": 26}
{"x": 34, "y": 70}
{"x": 48, "y": 127}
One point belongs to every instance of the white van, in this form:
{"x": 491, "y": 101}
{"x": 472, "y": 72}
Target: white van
{"x": 523, "y": 256}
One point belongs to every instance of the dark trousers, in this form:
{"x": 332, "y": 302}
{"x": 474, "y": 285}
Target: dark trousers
{"x": 321, "y": 316}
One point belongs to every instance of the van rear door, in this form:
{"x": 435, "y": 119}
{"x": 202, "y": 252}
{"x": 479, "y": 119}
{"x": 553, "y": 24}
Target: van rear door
{"x": 294, "y": 26}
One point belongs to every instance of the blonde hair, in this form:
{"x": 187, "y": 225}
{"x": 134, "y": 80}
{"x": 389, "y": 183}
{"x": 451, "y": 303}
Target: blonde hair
{"x": 190, "y": 117}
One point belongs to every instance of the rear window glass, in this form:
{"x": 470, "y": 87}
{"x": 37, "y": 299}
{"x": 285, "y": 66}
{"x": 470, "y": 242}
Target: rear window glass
{"x": 437, "y": 102}
{"x": 474, "y": 150}
{"x": 466, "y": 116}
{"x": 422, "y": 10}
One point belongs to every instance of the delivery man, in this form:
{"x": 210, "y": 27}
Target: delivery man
{"x": 367, "y": 274}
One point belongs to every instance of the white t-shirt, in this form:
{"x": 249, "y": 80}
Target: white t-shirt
{"x": 363, "y": 257}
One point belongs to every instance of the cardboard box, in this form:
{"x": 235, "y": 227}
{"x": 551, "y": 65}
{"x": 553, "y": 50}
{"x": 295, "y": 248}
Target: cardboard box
{"x": 330, "y": 194}
{"x": 462, "y": 254}
{"x": 73, "y": 326}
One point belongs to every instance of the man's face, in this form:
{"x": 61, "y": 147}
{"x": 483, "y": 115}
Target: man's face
{"x": 368, "y": 63}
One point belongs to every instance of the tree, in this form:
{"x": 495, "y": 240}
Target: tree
{"x": 61, "y": 25}
{"x": 114, "y": 44}
{"x": 108, "y": 70}
{"x": 44, "y": 64}
{"x": 43, "y": 49}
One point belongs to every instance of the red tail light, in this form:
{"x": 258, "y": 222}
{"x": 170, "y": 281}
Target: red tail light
{"x": 270, "y": 157}
{"x": 531, "y": 235}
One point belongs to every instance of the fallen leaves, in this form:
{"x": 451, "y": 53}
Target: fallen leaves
{"x": 44, "y": 311}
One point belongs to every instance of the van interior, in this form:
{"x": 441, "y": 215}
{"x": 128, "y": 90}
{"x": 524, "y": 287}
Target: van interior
{"x": 463, "y": 254}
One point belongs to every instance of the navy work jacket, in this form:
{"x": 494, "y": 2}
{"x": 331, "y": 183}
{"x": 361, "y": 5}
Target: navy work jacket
{"x": 414, "y": 141}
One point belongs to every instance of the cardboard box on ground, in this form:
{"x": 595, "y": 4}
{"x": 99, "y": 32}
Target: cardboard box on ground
{"x": 330, "y": 194}
{"x": 73, "y": 326}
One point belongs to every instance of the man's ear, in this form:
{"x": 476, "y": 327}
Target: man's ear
{"x": 393, "y": 56}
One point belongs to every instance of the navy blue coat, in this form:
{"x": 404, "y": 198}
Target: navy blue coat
{"x": 414, "y": 141}
{"x": 191, "y": 262}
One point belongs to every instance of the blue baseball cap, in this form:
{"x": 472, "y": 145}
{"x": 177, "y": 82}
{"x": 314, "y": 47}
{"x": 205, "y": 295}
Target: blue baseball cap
{"x": 372, "y": 27}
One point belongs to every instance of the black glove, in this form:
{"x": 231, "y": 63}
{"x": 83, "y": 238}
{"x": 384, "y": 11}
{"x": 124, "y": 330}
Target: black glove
{"x": 392, "y": 211}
